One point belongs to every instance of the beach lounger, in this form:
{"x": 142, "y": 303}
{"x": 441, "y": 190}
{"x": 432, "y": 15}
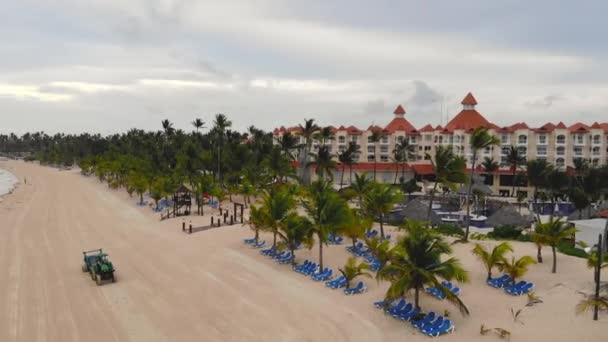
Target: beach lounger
{"x": 336, "y": 283}
{"x": 259, "y": 244}
{"x": 380, "y": 304}
{"x": 406, "y": 313}
{"x": 360, "y": 288}
{"x": 371, "y": 234}
{"x": 395, "y": 308}
{"x": 429, "y": 327}
{"x": 445, "y": 327}
{"x": 500, "y": 281}
{"x": 249, "y": 241}
{"x": 519, "y": 288}
{"x": 326, "y": 275}
{"x": 430, "y": 317}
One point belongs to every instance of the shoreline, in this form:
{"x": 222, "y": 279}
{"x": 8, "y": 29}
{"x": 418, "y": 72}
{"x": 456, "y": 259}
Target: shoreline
{"x": 8, "y": 181}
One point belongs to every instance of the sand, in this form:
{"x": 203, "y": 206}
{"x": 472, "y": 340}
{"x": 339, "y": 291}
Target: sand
{"x": 209, "y": 286}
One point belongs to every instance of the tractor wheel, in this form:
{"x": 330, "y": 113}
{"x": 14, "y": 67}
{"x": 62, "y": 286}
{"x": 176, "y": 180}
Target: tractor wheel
{"x": 92, "y": 275}
{"x": 85, "y": 268}
{"x": 98, "y": 280}
{"x": 113, "y": 278}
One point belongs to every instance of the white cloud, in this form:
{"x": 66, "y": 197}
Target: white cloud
{"x": 25, "y": 92}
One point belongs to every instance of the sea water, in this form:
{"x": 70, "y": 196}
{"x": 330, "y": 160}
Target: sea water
{"x": 7, "y": 181}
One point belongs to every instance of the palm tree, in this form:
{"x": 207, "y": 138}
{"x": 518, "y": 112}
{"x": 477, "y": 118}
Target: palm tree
{"x": 417, "y": 261}
{"x": 516, "y": 268}
{"x": 295, "y": 229}
{"x": 198, "y": 124}
{"x": 327, "y": 211}
{"x": 256, "y": 220}
{"x": 514, "y": 160}
{"x": 379, "y": 200}
{"x": 308, "y": 130}
{"x": 355, "y": 151}
{"x": 552, "y": 233}
{"x": 491, "y": 259}
{"x": 375, "y": 139}
{"x": 351, "y": 270}
{"x": 324, "y": 162}
{"x": 324, "y": 135}
{"x": 448, "y": 169}
{"x": 381, "y": 249}
{"x": 360, "y": 186}
{"x": 288, "y": 142}
{"x": 537, "y": 170}
{"x": 220, "y": 124}
{"x": 357, "y": 227}
{"x": 480, "y": 139}
{"x": 490, "y": 165}
{"x": 591, "y": 302}
{"x": 557, "y": 183}
{"x": 277, "y": 204}
{"x": 168, "y": 127}
{"x": 579, "y": 198}
{"x": 402, "y": 153}
{"x": 346, "y": 158}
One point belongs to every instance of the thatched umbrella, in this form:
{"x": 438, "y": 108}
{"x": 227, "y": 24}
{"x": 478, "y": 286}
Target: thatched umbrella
{"x": 507, "y": 215}
{"x": 417, "y": 210}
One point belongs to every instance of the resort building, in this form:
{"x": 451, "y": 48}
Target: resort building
{"x": 558, "y": 143}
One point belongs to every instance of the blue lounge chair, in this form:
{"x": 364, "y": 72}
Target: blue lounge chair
{"x": 427, "y": 319}
{"x": 380, "y": 304}
{"x": 336, "y": 283}
{"x": 429, "y": 327}
{"x": 319, "y": 273}
{"x": 500, "y": 281}
{"x": 445, "y": 327}
{"x": 249, "y": 241}
{"x": 360, "y": 288}
{"x": 519, "y": 288}
{"x": 395, "y": 308}
{"x": 259, "y": 244}
{"x": 405, "y": 313}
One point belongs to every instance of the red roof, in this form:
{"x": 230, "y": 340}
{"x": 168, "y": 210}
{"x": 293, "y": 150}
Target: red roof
{"x": 427, "y": 128}
{"x": 399, "y": 110}
{"x": 379, "y": 167}
{"x": 469, "y": 100}
{"x": 604, "y": 126}
{"x": 560, "y": 125}
{"x": 296, "y": 129}
{"x": 353, "y": 130}
{"x": 548, "y": 127}
{"x": 399, "y": 124}
{"x": 604, "y": 213}
{"x": 438, "y": 128}
{"x": 374, "y": 128}
{"x": 596, "y": 125}
{"x": 578, "y": 127}
{"x": 467, "y": 119}
{"x": 423, "y": 169}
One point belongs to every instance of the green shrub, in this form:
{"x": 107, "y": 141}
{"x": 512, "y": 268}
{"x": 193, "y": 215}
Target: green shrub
{"x": 524, "y": 238}
{"x": 506, "y": 232}
{"x": 478, "y": 236}
{"x": 450, "y": 230}
{"x": 567, "y": 248}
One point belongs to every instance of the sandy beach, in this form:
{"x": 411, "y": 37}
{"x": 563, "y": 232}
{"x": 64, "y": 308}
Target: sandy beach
{"x": 209, "y": 286}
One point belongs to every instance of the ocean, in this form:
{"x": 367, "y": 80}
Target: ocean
{"x": 7, "y": 181}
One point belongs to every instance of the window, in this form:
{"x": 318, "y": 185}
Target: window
{"x": 579, "y": 139}
{"x": 541, "y": 150}
{"x": 341, "y": 139}
{"x": 457, "y": 138}
{"x": 559, "y": 162}
{"x": 413, "y": 140}
{"x": 428, "y": 137}
{"x": 542, "y": 139}
{"x": 487, "y": 150}
{"x": 427, "y": 148}
{"x": 504, "y": 139}
{"x": 522, "y": 150}
{"x": 383, "y": 149}
{"x": 419, "y": 148}
{"x": 597, "y": 139}
{"x": 595, "y": 162}
{"x": 384, "y": 140}
{"x": 400, "y": 139}
{"x": 371, "y": 149}
{"x": 354, "y": 139}
{"x": 561, "y": 139}
{"x": 383, "y": 158}
{"x": 561, "y": 150}
{"x": 342, "y": 148}
{"x": 522, "y": 139}
{"x": 441, "y": 139}
{"x": 578, "y": 151}
{"x": 329, "y": 149}
{"x": 369, "y": 140}
{"x": 370, "y": 158}
{"x": 596, "y": 150}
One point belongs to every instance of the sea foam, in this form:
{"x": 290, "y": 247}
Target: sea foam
{"x": 7, "y": 182}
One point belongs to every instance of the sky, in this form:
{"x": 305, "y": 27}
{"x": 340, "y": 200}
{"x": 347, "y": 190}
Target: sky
{"x": 106, "y": 66}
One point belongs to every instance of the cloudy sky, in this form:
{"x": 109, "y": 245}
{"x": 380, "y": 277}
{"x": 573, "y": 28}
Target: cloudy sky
{"x": 109, "y": 65}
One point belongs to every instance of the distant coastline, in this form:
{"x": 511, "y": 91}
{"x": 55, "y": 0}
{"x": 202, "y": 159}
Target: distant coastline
{"x": 8, "y": 182}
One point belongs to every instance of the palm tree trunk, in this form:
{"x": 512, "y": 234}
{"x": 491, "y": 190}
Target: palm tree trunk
{"x": 350, "y": 176}
{"x": 382, "y": 225}
{"x": 257, "y": 236}
{"x": 428, "y": 215}
{"x": 320, "y": 253}
{"x": 489, "y": 274}
{"x": 535, "y": 205}
{"x": 513, "y": 190}
{"x": 554, "y": 270}
{"x": 342, "y": 176}
{"x": 274, "y": 239}
{"x": 417, "y": 298}
{"x": 467, "y": 218}
{"x": 292, "y": 248}
{"x": 539, "y": 253}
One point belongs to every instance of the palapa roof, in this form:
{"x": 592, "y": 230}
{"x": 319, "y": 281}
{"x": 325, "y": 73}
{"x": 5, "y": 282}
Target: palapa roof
{"x": 417, "y": 210}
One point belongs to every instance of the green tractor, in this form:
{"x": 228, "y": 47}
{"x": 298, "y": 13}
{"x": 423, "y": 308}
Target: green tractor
{"x": 98, "y": 265}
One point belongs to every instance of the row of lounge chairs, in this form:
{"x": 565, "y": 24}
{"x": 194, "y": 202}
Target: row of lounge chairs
{"x": 505, "y": 282}
{"x": 333, "y": 239}
{"x": 439, "y": 294}
{"x": 359, "y": 250}
{"x": 430, "y": 324}
{"x": 311, "y": 269}
{"x": 253, "y": 244}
